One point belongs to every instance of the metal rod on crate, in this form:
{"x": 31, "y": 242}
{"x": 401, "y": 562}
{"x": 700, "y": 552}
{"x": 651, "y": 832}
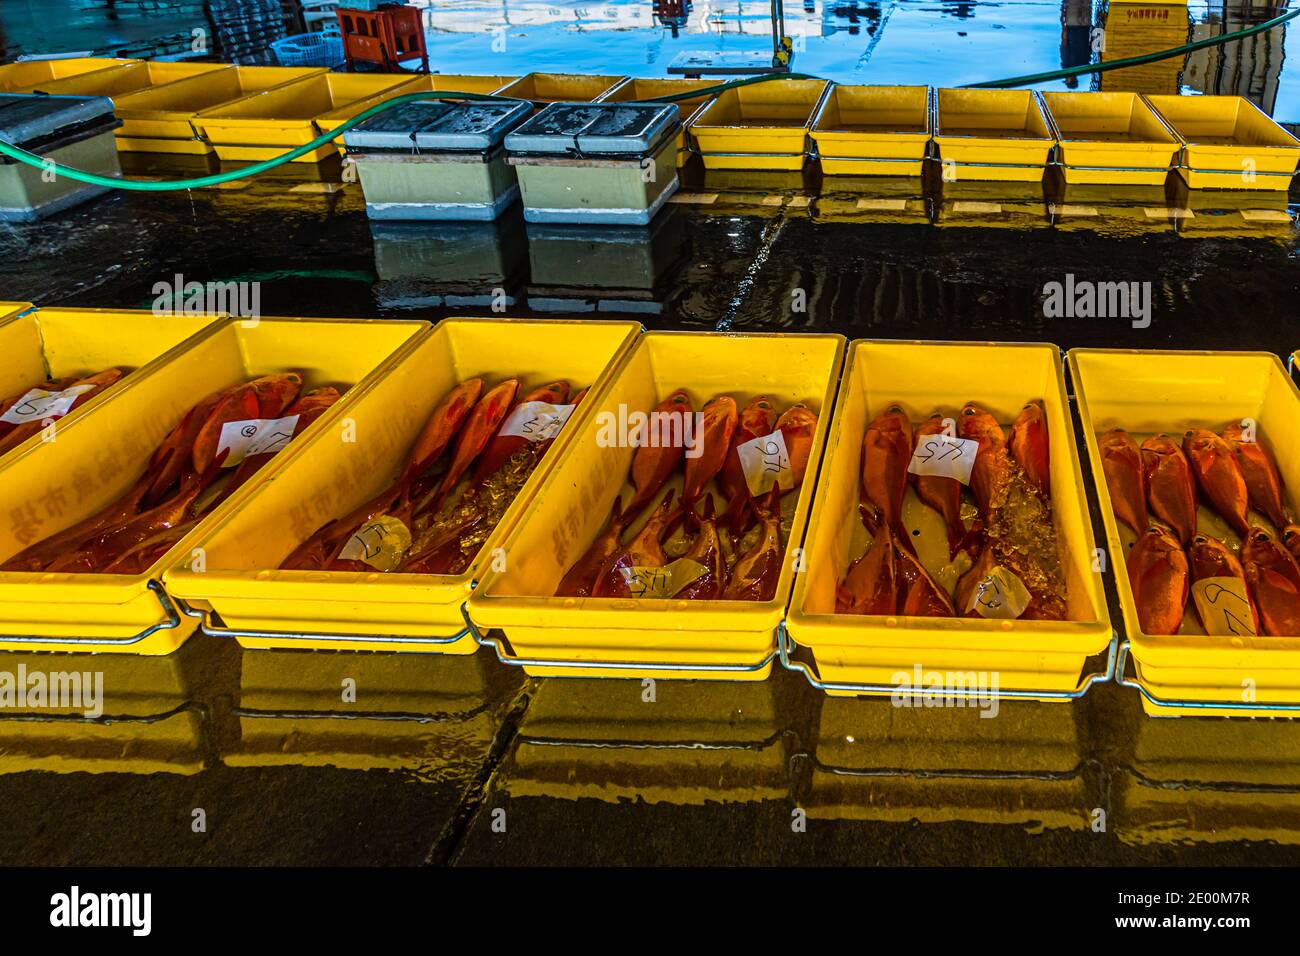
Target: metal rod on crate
{"x": 207, "y": 627}
{"x": 1122, "y": 679}
{"x": 173, "y": 621}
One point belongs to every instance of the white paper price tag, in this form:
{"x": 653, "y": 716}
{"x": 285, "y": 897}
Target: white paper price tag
{"x": 1000, "y": 595}
{"x": 945, "y": 457}
{"x": 381, "y": 543}
{"x": 536, "y": 421}
{"x": 38, "y": 405}
{"x": 766, "y": 462}
{"x": 254, "y": 436}
{"x": 1223, "y": 606}
{"x": 662, "y": 582}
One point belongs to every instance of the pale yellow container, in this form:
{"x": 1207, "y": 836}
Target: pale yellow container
{"x": 560, "y": 87}
{"x": 127, "y": 78}
{"x": 640, "y": 88}
{"x": 161, "y": 119}
{"x": 724, "y": 640}
{"x": 1110, "y": 138}
{"x": 100, "y": 455}
{"x": 997, "y": 135}
{"x": 873, "y": 130}
{"x": 29, "y": 75}
{"x": 764, "y": 126}
{"x": 329, "y": 478}
{"x": 266, "y": 124}
{"x": 1231, "y": 143}
{"x": 1152, "y": 391}
{"x": 1037, "y": 659}
{"x": 57, "y": 343}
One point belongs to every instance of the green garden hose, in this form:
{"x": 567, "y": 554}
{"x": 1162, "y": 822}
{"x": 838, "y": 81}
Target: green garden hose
{"x": 255, "y": 169}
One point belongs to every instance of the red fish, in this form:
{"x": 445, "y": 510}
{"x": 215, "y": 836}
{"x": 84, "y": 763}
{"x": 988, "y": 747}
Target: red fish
{"x": 308, "y": 408}
{"x": 941, "y": 493}
{"x": 1274, "y": 579}
{"x": 757, "y": 420}
{"x": 1030, "y": 446}
{"x": 755, "y": 576}
{"x": 1291, "y": 538}
{"x": 798, "y": 426}
{"x": 920, "y": 595}
{"x": 580, "y": 579}
{"x": 239, "y": 405}
{"x": 441, "y": 427}
{"x": 1121, "y": 460}
{"x": 145, "y": 555}
{"x": 968, "y": 584}
{"x": 38, "y": 556}
{"x": 95, "y": 384}
{"x": 991, "y": 473}
{"x": 871, "y": 585}
{"x": 719, "y": 423}
{"x": 1210, "y": 558}
{"x": 644, "y": 551}
{"x": 705, "y": 550}
{"x": 276, "y": 392}
{"x": 654, "y": 462}
{"x": 443, "y": 552}
{"x": 1158, "y": 573}
{"x": 503, "y": 447}
{"x": 12, "y": 400}
{"x": 1264, "y": 487}
{"x": 479, "y": 428}
{"x": 886, "y": 453}
{"x": 1219, "y": 476}
{"x": 1171, "y": 489}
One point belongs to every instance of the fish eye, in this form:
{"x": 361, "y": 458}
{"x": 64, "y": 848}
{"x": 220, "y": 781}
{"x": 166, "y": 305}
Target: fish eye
{"x": 1200, "y": 539}
{"x": 1189, "y": 433}
{"x": 1261, "y": 535}
{"x": 968, "y": 410}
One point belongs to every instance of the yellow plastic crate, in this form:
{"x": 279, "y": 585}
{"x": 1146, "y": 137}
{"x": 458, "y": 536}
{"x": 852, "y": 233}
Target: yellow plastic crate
{"x": 722, "y": 640}
{"x": 101, "y": 455}
{"x": 161, "y": 119}
{"x": 764, "y": 126}
{"x": 127, "y": 78}
{"x": 56, "y": 343}
{"x": 32, "y": 74}
{"x": 997, "y": 135}
{"x": 269, "y": 123}
{"x": 9, "y": 309}
{"x": 873, "y": 130}
{"x": 864, "y": 654}
{"x": 1151, "y": 391}
{"x": 1231, "y": 143}
{"x": 560, "y": 87}
{"x": 375, "y": 611}
{"x": 1110, "y": 138}
{"x": 639, "y": 88}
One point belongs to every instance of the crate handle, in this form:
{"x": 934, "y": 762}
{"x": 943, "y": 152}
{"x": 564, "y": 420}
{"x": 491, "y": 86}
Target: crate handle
{"x": 785, "y": 646}
{"x": 506, "y": 657}
{"x": 173, "y": 621}
{"x": 1123, "y": 680}
{"x": 207, "y": 627}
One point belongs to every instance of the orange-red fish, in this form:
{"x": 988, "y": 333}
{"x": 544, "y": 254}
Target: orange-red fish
{"x": 441, "y": 427}
{"x": 1274, "y": 579}
{"x": 719, "y": 423}
{"x": 705, "y": 550}
{"x": 660, "y": 452}
{"x": 756, "y": 573}
{"x": 1171, "y": 489}
{"x": 173, "y": 455}
{"x": 756, "y": 420}
{"x": 308, "y": 408}
{"x": 886, "y": 453}
{"x": 503, "y": 447}
{"x": 1030, "y": 446}
{"x": 941, "y": 493}
{"x": 39, "y": 555}
{"x": 1211, "y": 558}
{"x": 871, "y": 584}
{"x": 580, "y": 579}
{"x": 919, "y": 594}
{"x": 315, "y": 552}
{"x": 1264, "y": 488}
{"x": 1158, "y": 573}
{"x": 1291, "y": 539}
{"x": 798, "y": 425}
{"x": 141, "y": 558}
{"x": 443, "y": 552}
{"x": 93, "y": 383}
{"x": 276, "y": 392}
{"x": 8, "y": 403}
{"x": 1121, "y": 460}
{"x": 238, "y": 405}
{"x": 479, "y": 428}
{"x": 991, "y": 472}
{"x": 1219, "y": 476}
{"x": 644, "y": 551}
{"x": 968, "y": 584}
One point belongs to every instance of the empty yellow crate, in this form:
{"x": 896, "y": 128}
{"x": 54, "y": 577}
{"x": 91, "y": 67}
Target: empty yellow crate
{"x": 560, "y": 87}
{"x": 873, "y": 130}
{"x": 127, "y": 78}
{"x": 1231, "y": 143}
{"x": 58, "y": 343}
{"x": 1148, "y": 392}
{"x": 725, "y": 640}
{"x": 32, "y": 74}
{"x": 639, "y": 88}
{"x": 1110, "y": 138}
{"x": 991, "y": 135}
{"x": 100, "y": 455}
{"x": 764, "y": 126}
{"x": 375, "y": 611}
{"x": 875, "y": 650}
{"x": 267, "y": 124}
{"x": 161, "y": 119}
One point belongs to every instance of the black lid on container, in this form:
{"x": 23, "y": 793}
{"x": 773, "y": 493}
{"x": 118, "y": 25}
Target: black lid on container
{"x": 439, "y": 125}
{"x": 28, "y": 119}
{"x": 595, "y": 128}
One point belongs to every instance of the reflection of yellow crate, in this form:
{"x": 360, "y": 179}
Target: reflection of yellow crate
{"x": 727, "y": 640}
{"x": 898, "y": 199}
{"x": 560, "y": 87}
{"x": 1146, "y": 392}
{"x": 102, "y": 454}
{"x": 376, "y": 611}
{"x": 26, "y": 76}
{"x": 1134, "y": 29}
{"x": 639, "y": 88}
{"x": 862, "y": 650}
{"x": 161, "y": 119}
{"x": 1110, "y": 138}
{"x": 60, "y": 343}
{"x": 1237, "y": 213}
{"x": 992, "y": 135}
{"x": 128, "y": 78}
{"x": 992, "y": 205}
{"x": 1231, "y": 143}
{"x": 873, "y": 130}
{"x": 764, "y": 126}
{"x": 266, "y": 124}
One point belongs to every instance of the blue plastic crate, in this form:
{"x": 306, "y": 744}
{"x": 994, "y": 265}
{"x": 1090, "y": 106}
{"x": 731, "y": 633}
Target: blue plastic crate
{"x": 309, "y": 49}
